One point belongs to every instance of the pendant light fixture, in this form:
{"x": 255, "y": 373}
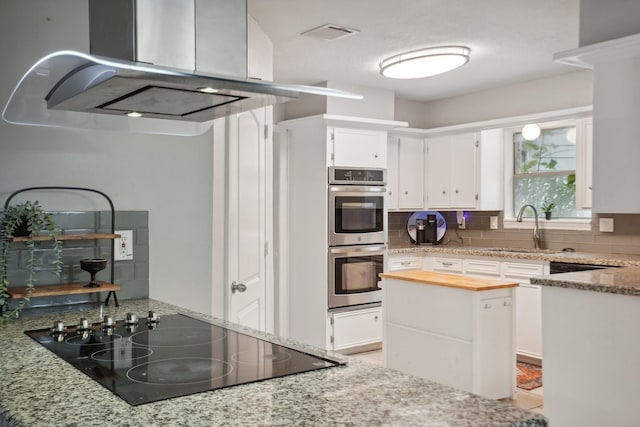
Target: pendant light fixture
{"x": 424, "y": 62}
{"x": 531, "y": 132}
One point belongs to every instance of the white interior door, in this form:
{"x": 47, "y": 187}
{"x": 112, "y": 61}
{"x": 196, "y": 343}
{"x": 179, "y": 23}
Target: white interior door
{"x": 247, "y": 226}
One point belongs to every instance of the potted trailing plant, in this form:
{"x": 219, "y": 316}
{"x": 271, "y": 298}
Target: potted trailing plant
{"x": 31, "y": 216}
{"x": 547, "y": 208}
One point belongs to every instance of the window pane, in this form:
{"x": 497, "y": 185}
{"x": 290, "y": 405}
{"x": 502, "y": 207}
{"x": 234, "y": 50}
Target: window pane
{"x": 554, "y": 150}
{"x": 560, "y": 190}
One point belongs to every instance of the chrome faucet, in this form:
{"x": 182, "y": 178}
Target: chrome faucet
{"x": 537, "y": 241}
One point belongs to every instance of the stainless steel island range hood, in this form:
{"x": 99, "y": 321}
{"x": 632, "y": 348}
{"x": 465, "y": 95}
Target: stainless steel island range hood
{"x": 155, "y": 66}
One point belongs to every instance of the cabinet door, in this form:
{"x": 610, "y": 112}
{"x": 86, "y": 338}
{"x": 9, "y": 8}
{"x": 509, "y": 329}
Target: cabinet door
{"x": 392, "y": 173}
{"x": 410, "y": 173}
{"x": 463, "y": 170}
{"x": 439, "y": 172}
{"x": 357, "y": 328}
{"x": 584, "y": 163}
{"x": 528, "y": 320}
{"x": 494, "y": 358}
{"x": 359, "y": 148}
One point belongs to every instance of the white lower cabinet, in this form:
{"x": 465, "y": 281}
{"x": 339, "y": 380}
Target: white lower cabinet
{"x": 404, "y": 263}
{"x": 528, "y": 317}
{"x": 528, "y": 307}
{"x": 484, "y": 269}
{"x": 356, "y": 329}
{"x": 444, "y": 265}
{"x": 455, "y": 337}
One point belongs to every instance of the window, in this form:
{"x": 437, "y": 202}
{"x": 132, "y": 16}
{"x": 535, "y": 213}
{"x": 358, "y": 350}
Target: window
{"x": 545, "y": 172}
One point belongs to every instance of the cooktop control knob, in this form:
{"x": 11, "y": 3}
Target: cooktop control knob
{"x": 58, "y": 327}
{"x": 131, "y": 319}
{"x": 84, "y": 324}
{"x": 153, "y": 317}
{"x": 108, "y": 322}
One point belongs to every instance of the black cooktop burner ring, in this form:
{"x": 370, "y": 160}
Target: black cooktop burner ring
{"x": 182, "y": 337}
{"x": 174, "y": 364}
{"x": 148, "y": 353}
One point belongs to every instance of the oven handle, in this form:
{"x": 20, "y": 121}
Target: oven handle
{"x": 357, "y": 189}
{"x": 355, "y": 250}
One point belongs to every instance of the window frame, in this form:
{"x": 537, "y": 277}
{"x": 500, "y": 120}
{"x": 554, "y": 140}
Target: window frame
{"x": 509, "y": 221}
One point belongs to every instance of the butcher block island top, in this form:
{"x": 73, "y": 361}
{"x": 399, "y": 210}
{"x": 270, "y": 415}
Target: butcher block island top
{"x": 449, "y": 280}
{"x": 37, "y": 388}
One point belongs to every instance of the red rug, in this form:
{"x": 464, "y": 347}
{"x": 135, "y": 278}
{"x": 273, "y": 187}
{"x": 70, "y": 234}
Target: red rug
{"x": 529, "y": 376}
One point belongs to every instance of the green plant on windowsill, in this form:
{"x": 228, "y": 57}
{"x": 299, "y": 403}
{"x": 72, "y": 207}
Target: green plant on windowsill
{"x": 547, "y": 208}
{"x": 26, "y": 219}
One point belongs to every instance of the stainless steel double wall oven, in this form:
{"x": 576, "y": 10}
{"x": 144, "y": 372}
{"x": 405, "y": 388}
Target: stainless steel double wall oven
{"x": 357, "y": 235}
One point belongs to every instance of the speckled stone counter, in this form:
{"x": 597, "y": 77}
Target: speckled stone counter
{"x": 516, "y": 253}
{"x": 39, "y": 389}
{"x": 624, "y": 281}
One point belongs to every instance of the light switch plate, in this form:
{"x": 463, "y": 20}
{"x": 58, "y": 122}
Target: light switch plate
{"x": 494, "y": 222}
{"x": 123, "y": 246}
{"x": 606, "y": 225}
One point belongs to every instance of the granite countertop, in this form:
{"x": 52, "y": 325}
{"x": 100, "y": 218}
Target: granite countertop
{"x": 467, "y": 283}
{"x": 614, "y": 260}
{"x": 624, "y": 281}
{"x": 37, "y": 389}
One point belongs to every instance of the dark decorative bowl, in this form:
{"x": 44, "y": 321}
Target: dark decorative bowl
{"x": 93, "y": 265}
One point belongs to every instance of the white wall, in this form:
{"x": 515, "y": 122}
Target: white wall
{"x": 569, "y": 90}
{"x": 171, "y": 177}
{"x": 606, "y": 20}
{"x": 376, "y": 104}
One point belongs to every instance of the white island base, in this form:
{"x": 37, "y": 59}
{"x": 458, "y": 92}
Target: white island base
{"x": 591, "y": 347}
{"x": 455, "y": 330}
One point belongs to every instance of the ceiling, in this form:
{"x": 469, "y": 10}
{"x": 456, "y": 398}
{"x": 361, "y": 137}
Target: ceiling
{"x": 511, "y": 41}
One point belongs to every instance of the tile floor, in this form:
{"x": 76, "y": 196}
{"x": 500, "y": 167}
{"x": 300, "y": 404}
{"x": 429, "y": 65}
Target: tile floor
{"x": 531, "y": 400}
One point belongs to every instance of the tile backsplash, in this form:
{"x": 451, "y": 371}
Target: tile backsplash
{"x": 624, "y": 240}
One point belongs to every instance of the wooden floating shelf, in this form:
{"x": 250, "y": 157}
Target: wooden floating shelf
{"x": 79, "y": 236}
{"x": 60, "y": 289}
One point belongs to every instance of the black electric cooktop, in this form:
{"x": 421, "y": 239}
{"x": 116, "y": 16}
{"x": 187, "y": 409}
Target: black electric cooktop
{"x": 145, "y": 361}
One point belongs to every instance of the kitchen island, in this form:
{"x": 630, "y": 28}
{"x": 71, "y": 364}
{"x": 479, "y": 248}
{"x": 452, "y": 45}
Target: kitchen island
{"x": 37, "y": 389}
{"x": 591, "y": 345}
{"x": 456, "y": 330}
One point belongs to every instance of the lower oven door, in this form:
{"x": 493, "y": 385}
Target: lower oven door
{"x": 354, "y": 275}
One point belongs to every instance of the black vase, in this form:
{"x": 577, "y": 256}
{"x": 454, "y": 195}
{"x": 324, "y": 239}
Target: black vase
{"x": 547, "y": 215}
{"x": 22, "y": 229}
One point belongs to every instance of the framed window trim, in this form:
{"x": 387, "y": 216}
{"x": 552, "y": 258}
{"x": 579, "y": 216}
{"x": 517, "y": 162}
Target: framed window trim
{"x": 509, "y": 221}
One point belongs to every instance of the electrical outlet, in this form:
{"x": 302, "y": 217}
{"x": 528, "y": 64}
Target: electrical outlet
{"x": 606, "y": 225}
{"x": 123, "y": 246}
{"x": 461, "y": 220}
{"x": 494, "y": 222}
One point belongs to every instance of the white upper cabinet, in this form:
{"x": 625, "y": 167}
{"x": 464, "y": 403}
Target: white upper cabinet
{"x": 464, "y": 171}
{"x": 584, "y": 166}
{"x": 451, "y": 170}
{"x": 405, "y": 172}
{"x": 357, "y": 147}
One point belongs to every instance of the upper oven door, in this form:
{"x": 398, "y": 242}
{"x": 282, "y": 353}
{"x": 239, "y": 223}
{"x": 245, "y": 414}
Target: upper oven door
{"x": 356, "y": 215}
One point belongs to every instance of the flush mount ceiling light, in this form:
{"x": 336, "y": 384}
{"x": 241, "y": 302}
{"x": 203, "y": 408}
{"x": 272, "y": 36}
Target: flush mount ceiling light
{"x": 424, "y": 62}
{"x": 531, "y": 132}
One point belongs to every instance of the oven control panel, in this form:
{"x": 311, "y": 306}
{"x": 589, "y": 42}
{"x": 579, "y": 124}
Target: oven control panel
{"x": 340, "y": 175}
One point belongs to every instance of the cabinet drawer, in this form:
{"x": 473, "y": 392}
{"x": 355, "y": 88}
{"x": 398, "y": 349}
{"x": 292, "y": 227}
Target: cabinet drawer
{"x": 408, "y": 263}
{"x": 481, "y": 267}
{"x": 450, "y": 265}
{"x": 356, "y": 328}
{"x": 518, "y": 270}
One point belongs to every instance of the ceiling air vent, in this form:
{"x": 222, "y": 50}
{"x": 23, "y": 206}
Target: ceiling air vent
{"x": 330, "y": 32}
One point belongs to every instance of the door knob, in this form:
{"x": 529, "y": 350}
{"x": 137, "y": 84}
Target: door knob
{"x": 240, "y": 287}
